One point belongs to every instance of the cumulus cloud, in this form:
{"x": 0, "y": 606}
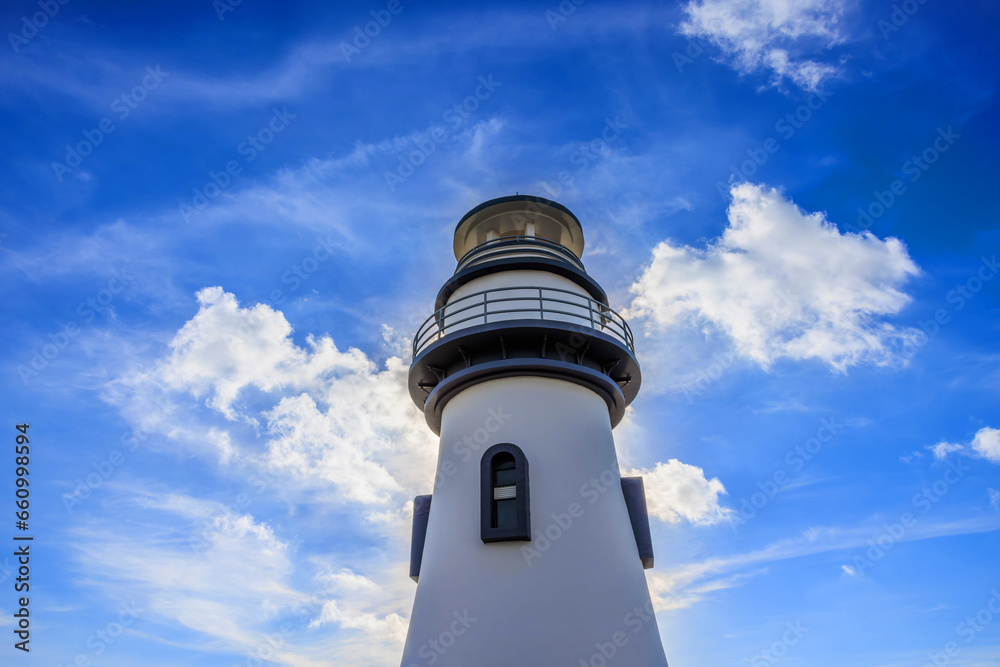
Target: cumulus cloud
{"x": 770, "y": 34}
{"x": 781, "y": 283}
{"x": 985, "y": 445}
{"x": 676, "y": 491}
{"x": 327, "y": 416}
{"x": 225, "y": 349}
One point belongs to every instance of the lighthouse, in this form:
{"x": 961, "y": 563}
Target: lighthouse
{"x": 530, "y": 550}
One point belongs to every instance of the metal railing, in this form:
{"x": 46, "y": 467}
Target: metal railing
{"x": 522, "y": 303}
{"x": 541, "y": 246}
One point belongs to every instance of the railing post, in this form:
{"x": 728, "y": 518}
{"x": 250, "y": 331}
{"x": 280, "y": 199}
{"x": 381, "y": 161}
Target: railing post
{"x": 541, "y": 305}
{"x": 486, "y": 311}
{"x": 590, "y": 307}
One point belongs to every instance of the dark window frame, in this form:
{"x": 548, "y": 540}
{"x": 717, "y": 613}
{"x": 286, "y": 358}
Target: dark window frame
{"x": 521, "y": 530}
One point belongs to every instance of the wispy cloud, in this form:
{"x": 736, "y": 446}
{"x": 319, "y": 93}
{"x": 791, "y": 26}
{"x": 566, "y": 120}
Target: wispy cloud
{"x": 93, "y": 75}
{"x": 224, "y": 582}
{"x": 771, "y": 35}
{"x": 689, "y": 583}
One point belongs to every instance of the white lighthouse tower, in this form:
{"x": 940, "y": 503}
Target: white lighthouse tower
{"x": 531, "y": 549}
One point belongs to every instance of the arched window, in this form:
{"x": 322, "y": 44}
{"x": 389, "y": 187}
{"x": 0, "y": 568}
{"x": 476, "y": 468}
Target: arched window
{"x": 505, "y": 514}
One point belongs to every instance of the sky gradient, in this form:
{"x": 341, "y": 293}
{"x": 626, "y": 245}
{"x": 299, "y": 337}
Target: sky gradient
{"x": 220, "y": 223}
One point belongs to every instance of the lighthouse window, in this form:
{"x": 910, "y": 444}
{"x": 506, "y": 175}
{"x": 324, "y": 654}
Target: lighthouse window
{"x": 504, "y": 514}
{"x": 503, "y": 467}
{"x": 504, "y": 499}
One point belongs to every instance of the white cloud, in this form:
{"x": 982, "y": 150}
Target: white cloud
{"x": 680, "y": 590}
{"x": 985, "y": 445}
{"x": 349, "y": 587}
{"x": 676, "y": 491}
{"x": 230, "y": 562}
{"x": 222, "y": 442}
{"x": 809, "y": 74}
{"x": 330, "y": 416}
{"x": 781, "y": 283}
{"x": 681, "y": 585}
{"x": 389, "y": 627}
{"x": 994, "y": 498}
{"x": 849, "y": 571}
{"x": 309, "y": 65}
{"x": 322, "y": 444}
{"x": 200, "y": 567}
{"x": 770, "y": 34}
{"x": 225, "y": 349}
{"x": 942, "y": 449}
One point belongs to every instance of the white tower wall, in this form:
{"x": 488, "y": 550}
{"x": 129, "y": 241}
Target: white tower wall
{"x": 515, "y": 279}
{"x": 579, "y": 580}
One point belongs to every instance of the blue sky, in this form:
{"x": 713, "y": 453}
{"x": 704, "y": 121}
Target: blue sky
{"x": 220, "y": 223}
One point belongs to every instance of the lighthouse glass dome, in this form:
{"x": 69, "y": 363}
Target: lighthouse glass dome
{"x": 529, "y": 219}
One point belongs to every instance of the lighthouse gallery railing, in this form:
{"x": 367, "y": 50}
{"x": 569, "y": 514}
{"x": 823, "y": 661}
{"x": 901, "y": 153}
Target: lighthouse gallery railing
{"x": 516, "y": 303}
